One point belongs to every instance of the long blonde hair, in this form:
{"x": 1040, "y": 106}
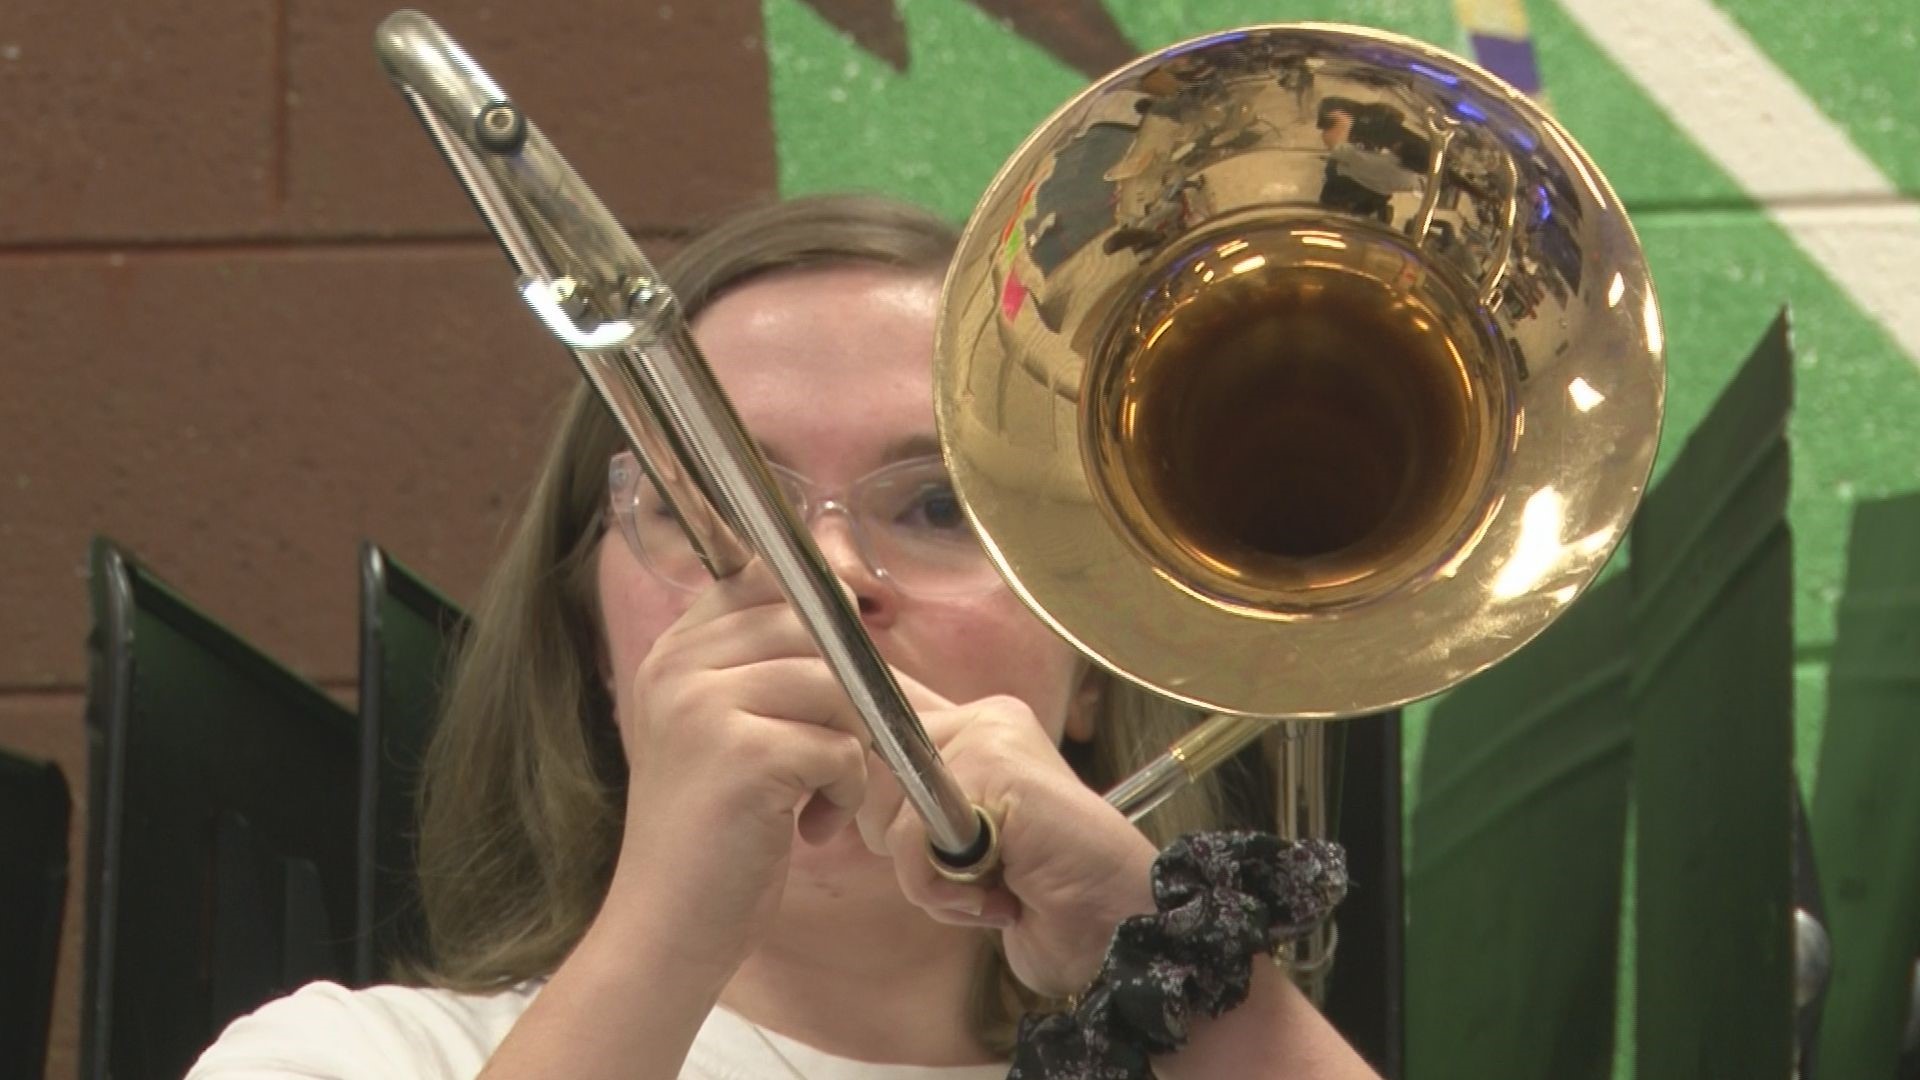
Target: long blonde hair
{"x": 524, "y": 786}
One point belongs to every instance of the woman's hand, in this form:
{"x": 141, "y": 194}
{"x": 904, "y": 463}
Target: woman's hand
{"x": 731, "y": 725}
{"x": 1071, "y": 866}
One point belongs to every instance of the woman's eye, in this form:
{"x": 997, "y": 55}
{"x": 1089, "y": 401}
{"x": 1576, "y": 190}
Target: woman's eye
{"x": 654, "y": 513}
{"x": 934, "y": 507}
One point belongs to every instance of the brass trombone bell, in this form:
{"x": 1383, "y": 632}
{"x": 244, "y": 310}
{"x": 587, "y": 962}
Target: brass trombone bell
{"x": 1299, "y": 371}
{"x": 1296, "y": 371}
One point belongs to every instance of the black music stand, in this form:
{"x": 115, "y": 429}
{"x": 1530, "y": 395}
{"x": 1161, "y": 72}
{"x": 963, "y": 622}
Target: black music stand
{"x": 407, "y": 631}
{"x": 34, "y": 810}
{"x": 1366, "y": 993}
{"x": 1808, "y": 897}
{"x": 221, "y": 832}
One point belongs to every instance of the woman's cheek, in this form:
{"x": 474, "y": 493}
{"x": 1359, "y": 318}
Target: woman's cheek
{"x": 996, "y": 646}
{"x": 635, "y": 609}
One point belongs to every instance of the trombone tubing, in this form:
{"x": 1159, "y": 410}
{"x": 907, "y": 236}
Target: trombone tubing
{"x": 1197, "y": 753}
{"x": 560, "y": 239}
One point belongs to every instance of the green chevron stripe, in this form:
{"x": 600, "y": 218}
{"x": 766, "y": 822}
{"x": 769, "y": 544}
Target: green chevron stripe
{"x": 934, "y": 134}
{"x": 1860, "y": 62}
{"x": 1721, "y": 275}
{"x": 972, "y": 91}
{"x": 1152, "y": 25}
{"x": 1647, "y": 159}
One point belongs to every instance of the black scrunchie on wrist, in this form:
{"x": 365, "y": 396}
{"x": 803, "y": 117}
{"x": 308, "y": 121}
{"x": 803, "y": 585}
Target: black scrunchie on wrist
{"x": 1223, "y": 897}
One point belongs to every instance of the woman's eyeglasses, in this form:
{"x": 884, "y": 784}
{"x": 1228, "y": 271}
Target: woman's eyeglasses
{"x": 906, "y": 521}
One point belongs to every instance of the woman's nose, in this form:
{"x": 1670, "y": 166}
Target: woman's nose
{"x": 833, "y": 534}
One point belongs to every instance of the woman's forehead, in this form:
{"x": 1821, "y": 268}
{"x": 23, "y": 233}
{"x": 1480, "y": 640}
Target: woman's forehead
{"x": 824, "y": 298}
{"x": 808, "y": 354}
{"x": 864, "y": 322}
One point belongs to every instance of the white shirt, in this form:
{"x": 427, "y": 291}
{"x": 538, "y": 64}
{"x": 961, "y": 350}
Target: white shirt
{"x": 327, "y": 1032}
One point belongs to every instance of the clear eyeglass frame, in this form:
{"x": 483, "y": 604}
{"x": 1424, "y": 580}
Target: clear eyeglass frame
{"x": 905, "y": 519}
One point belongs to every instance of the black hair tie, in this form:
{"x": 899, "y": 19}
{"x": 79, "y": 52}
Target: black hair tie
{"x": 1222, "y": 897}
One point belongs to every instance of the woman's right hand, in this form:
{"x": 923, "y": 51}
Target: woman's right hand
{"x": 731, "y": 723}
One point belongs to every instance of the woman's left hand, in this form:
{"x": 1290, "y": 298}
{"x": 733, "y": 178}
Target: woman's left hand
{"x": 1071, "y": 865}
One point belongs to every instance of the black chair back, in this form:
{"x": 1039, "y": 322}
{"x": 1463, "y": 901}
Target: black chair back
{"x": 407, "y": 633}
{"x": 221, "y": 828}
{"x": 1366, "y": 994}
{"x": 34, "y": 810}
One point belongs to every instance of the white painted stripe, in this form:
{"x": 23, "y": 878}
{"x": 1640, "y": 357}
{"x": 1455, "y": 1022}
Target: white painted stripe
{"x": 1759, "y": 127}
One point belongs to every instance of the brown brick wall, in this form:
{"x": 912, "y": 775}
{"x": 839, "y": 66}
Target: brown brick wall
{"x": 247, "y": 318}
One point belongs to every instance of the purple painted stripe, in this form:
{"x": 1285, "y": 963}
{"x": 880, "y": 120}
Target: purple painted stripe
{"x": 1508, "y": 58}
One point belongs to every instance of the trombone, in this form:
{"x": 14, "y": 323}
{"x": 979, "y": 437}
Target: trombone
{"x": 1293, "y": 372}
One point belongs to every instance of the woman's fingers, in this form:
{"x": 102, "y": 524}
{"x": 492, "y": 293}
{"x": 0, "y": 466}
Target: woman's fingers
{"x": 742, "y": 618}
{"x": 958, "y": 903}
{"x": 927, "y": 704}
{"x": 741, "y": 648}
{"x": 800, "y": 689}
{"x": 886, "y": 807}
{"x": 740, "y": 635}
{"x": 943, "y": 721}
{"x": 830, "y": 765}
{"x": 752, "y": 586}
{"x": 882, "y": 804}
{"x": 895, "y": 829}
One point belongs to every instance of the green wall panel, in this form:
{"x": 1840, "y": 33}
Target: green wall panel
{"x": 1514, "y": 870}
{"x": 1866, "y": 823}
{"x": 1712, "y": 742}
